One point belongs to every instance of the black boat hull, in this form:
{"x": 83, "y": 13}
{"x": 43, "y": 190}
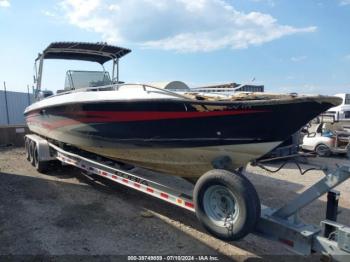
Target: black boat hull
{"x": 174, "y": 136}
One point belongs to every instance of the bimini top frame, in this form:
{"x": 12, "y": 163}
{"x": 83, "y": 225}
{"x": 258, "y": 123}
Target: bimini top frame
{"x": 94, "y": 52}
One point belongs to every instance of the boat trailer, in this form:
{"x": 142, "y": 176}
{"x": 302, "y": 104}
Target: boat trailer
{"x": 283, "y": 225}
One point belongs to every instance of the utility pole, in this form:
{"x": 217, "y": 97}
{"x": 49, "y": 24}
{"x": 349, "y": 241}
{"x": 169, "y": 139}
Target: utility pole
{"x": 7, "y": 109}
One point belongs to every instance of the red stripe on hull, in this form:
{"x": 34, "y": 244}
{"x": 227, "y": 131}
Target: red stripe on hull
{"x": 156, "y": 115}
{"x": 87, "y": 117}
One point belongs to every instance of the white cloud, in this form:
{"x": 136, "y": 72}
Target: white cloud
{"x": 5, "y": 3}
{"x": 180, "y": 25}
{"x": 344, "y": 2}
{"x": 114, "y": 7}
{"x": 298, "y": 58}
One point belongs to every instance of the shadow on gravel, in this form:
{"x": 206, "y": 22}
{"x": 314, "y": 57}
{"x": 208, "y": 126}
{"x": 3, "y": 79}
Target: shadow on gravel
{"x": 48, "y": 217}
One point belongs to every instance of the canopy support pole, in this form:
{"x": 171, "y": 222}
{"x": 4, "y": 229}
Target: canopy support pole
{"x": 117, "y": 62}
{"x": 39, "y": 78}
{"x": 113, "y": 70}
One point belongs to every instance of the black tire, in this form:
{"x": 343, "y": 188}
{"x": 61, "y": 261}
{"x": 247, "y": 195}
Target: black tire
{"x": 323, "y": 150}
{"x": 40, "y": 166}
{"x": 246, "y": 199}
{"x": 26, "y": 147}
{"x": 31, "y": 152}
{"x": 348, "y": 153}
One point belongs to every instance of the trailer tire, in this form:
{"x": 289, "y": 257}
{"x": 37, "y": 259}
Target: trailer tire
{"x": 40, "y": 166}
{"x": 31, "y": 152}
{"x": 226, "y": 204}
{"x": 26, "y": 147}
{"x": 323, "y": 150}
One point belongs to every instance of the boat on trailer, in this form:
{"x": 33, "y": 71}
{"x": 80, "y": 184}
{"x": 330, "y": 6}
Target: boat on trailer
{"x": 98, "y": 124}
{"x": 179, "y": 133}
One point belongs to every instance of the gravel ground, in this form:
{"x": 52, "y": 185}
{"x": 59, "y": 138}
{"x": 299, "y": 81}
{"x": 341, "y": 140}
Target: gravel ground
{"x": 63, "y": 213}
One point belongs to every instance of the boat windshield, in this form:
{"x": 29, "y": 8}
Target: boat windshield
{"x": 83, "y": 79}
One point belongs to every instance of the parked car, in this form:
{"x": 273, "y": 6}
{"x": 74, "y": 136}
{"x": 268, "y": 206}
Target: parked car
{"x": 325, "y": 141}
{"x": 341, "y": 112}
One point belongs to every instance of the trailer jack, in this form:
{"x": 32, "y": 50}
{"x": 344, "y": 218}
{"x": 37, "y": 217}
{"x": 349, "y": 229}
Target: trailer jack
{"x": 284, "y": 225}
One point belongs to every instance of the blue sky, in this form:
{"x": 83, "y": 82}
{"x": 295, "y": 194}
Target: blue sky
{"x": 289, "y": 46}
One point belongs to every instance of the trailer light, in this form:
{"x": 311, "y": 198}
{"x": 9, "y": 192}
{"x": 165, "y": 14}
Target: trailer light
{"x": 190, "y": 205}
{"x": 150, "y": 190}
{"x": 164, "y": 195}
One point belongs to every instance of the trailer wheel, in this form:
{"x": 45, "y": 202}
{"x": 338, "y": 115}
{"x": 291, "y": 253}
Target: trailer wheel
{"x": 323, "y": 150}
{"x": 26, "y": 147}
{"x": 40, "y": 166}
{"x": 226, "y": 204}
{"x": 31, "y": 152}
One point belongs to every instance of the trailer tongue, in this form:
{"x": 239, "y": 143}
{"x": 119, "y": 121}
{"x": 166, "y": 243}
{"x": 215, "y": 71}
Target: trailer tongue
{"x": 216, "y": 201}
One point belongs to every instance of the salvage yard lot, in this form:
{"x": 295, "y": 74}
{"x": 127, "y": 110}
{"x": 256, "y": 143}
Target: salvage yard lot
{"x": 63, "y": 212}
